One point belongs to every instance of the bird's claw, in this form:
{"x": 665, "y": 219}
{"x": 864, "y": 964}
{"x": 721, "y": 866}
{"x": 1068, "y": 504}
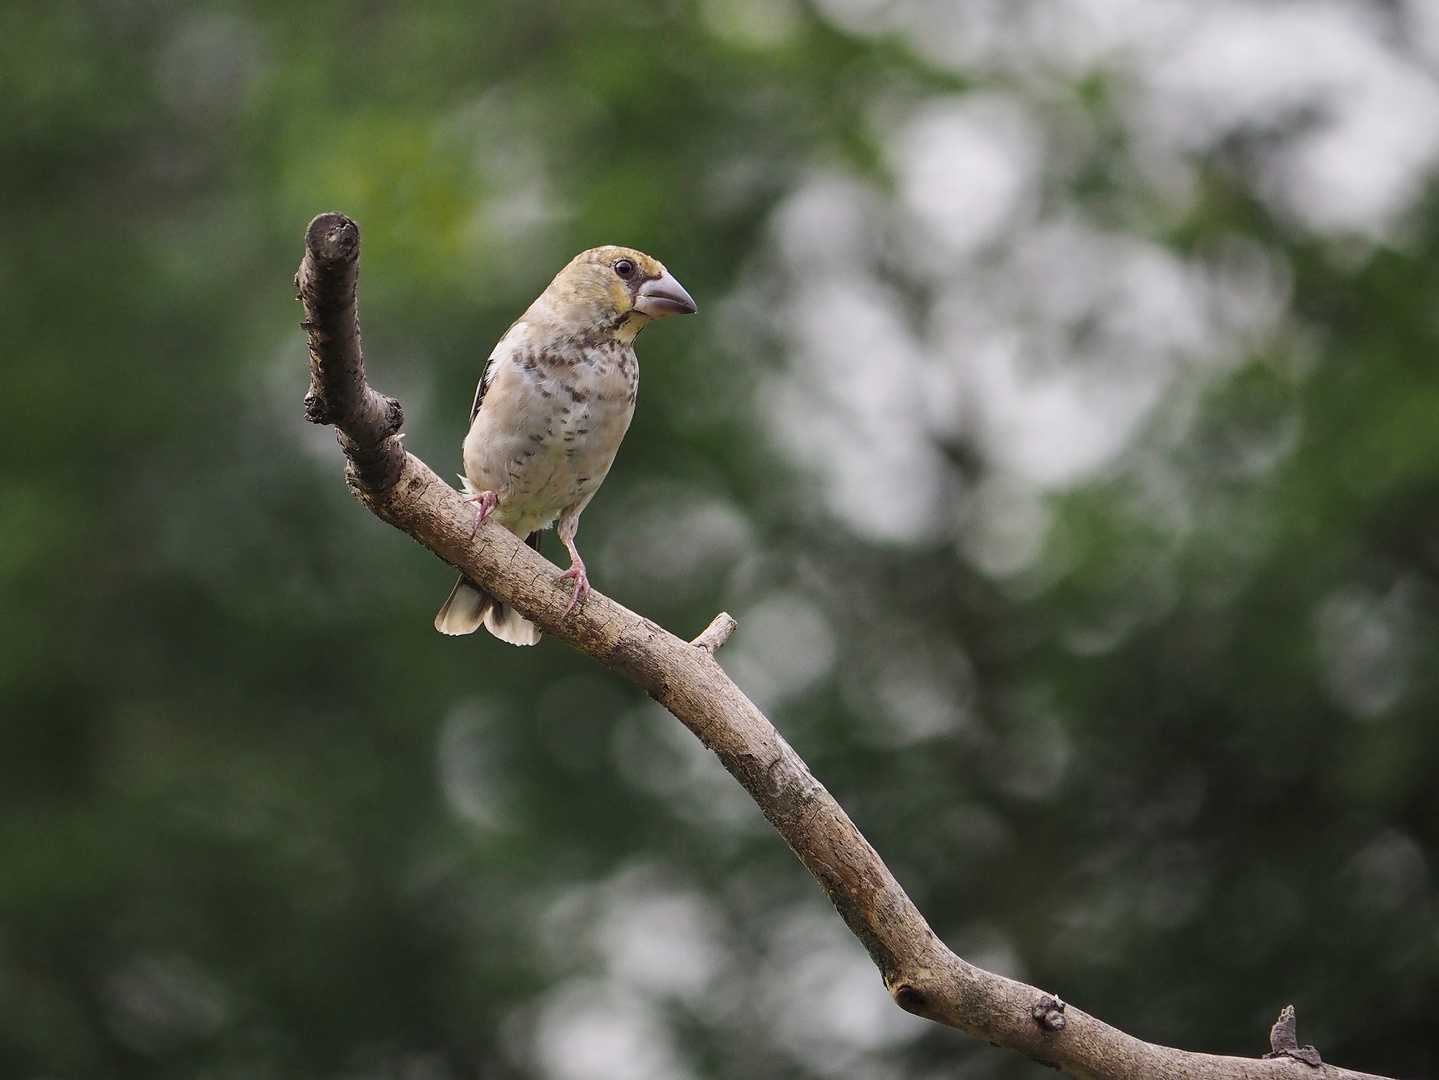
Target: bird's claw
{"x": 485, "y": 503}
{"x": 582, "y": 585}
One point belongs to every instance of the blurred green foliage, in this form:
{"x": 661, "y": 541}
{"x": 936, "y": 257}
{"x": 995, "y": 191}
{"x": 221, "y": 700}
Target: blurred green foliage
{"x": 259, "y": 820}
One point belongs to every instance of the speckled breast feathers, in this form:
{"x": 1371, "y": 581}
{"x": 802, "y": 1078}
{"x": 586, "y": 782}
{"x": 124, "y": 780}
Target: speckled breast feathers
{"x": 554, "y": 423}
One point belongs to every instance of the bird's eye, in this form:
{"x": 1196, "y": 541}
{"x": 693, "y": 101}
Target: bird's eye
{"x": 624, "y": 268}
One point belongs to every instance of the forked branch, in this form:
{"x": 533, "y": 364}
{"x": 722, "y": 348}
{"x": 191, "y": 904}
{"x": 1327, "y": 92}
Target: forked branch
{"x": 923, "y": 976}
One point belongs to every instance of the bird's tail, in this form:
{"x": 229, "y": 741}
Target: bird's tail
{"x": 507, "y": 624}
{"x": 468, "y": 606}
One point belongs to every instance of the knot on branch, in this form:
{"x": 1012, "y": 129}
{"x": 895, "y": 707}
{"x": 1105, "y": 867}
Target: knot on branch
{"x": 1284, "y": 1040}
{"x": 1048, "y": 1012}
{"x": 368, "y": 422}
{"x": 317, "y": 410}
{"x": 909, "y": 999}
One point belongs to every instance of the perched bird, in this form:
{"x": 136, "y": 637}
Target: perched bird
{"x": 552, "y": 407}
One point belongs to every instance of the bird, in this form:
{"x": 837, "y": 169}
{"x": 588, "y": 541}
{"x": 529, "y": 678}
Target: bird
{"x": 552, "y": 407}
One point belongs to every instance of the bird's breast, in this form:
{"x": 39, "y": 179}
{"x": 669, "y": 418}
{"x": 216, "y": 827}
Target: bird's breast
{"x": 548, "y": 430}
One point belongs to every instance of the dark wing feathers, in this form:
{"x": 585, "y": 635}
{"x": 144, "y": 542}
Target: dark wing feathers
{"x": 485, "y": 379}
{"x": 489, "y": 373}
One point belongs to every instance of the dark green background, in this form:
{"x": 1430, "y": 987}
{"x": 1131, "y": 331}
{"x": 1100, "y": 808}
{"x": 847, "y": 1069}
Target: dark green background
{"x": 259, "y": 820}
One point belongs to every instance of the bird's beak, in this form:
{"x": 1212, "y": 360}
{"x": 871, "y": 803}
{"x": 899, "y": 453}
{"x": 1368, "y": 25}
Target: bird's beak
{"x": 662, "y": 297}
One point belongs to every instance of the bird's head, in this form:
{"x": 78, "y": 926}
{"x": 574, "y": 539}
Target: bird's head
{"x": 612, "y": 291}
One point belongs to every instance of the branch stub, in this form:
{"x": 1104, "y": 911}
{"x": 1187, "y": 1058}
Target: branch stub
{"x": 716, "y": 633}
{"x": 1284, "y": 1040}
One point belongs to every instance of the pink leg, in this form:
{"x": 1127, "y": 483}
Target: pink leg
{"x": 485, "y": 503}
{"x": 576, "y": 570}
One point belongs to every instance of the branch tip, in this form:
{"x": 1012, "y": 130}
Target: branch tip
{"x": 333, "y": 237}
{"x": 716, "y": 633}
{"x": 367, "y": 421}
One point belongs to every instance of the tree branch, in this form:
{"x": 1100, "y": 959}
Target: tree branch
{"x": 922, "y": 975}
{"x": 716, "y": 633}
{"x": 367, "y": 423}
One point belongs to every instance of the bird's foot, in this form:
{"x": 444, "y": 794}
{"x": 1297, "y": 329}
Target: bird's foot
{"x": 582, "y": 584}
{"x": 485, "y": 503}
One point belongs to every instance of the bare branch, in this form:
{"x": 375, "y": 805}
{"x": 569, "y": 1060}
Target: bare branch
{"x": 716, "y": 633}
{"x": 367, "y": 423}
{"x": 922, "y": 975}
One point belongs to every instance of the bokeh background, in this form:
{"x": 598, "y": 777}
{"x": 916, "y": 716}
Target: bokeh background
{"x": 1061, "y": 423}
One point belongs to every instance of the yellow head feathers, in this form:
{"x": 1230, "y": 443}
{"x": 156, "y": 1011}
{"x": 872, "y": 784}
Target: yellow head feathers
{"x": 611, "y": 290}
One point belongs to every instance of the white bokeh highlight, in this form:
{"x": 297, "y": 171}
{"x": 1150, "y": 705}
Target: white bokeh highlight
{"x": 786, "y": 646}
{"x": 1365, "y": 645}
{"x": 648, "y": 945}
{"x": 824, "y": 1000}
{"x": 602, "y": 1031}
{"x": 641, "y": 949}
{"x": 976, "y": 303}
{"x": 470, "y": 772}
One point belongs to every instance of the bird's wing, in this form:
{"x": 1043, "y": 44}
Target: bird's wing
{"x": 486, "y": 378}
{"x": 502, "y": 348}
